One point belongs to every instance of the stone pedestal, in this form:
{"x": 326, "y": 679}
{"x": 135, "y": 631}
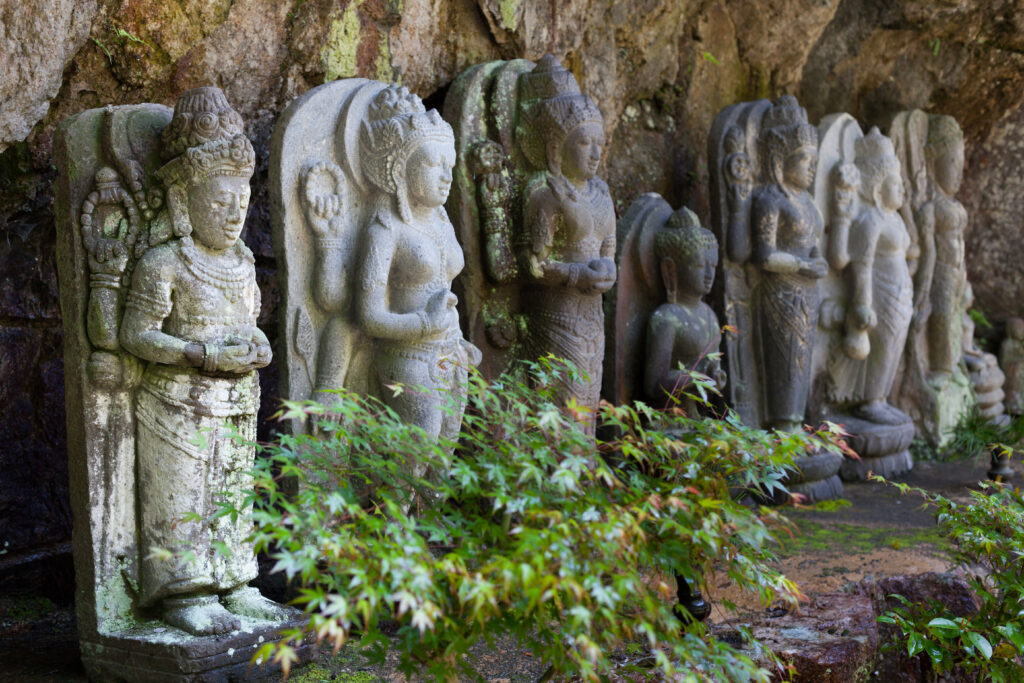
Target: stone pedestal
{"x": 883, "y": 449}
{"x": 818, "y": 477}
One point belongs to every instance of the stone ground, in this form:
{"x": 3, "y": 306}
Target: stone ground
{"x": 872, "y": 532}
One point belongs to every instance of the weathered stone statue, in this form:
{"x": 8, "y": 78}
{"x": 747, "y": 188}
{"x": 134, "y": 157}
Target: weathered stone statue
{"x": 763, "y": 156}
{"x": 661, "y": 332}
{"x": 867, "y": 295}
{"x": 529, "y": 146}
{"x": 983, "y": 370}
{"x": 934, "y": 389}
{"x": 1011, "y": 360}
{"x": 368, "y": 253}
{"x": 160, "y": 304}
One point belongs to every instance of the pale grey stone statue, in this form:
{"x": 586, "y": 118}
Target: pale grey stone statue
{"x": 529, "y": 145}
{"x": 867, "y": 295}
{"x": 763, "y": 157}
{"x": 1011, "y": 360}
{"x": 160, "y": 304}
{"x": 933, "y": 387}
{"x": 983, "y": 370}
{"x": 359, "y": 175}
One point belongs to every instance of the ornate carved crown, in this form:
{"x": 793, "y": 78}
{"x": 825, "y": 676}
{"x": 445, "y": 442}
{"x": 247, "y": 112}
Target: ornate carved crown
{"x": 554, "y": 106}
{"x": 205, "y": 138}
{"x": 785, "y": 124}
{"x": 876, "y": 159}
{"x": 396, "y": 124}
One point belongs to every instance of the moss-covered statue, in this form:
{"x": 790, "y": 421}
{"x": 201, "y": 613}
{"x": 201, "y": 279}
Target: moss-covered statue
{"x": 160, "y": 307}
{"x": 529, "y": 144}
{"x": 368, "y": 253}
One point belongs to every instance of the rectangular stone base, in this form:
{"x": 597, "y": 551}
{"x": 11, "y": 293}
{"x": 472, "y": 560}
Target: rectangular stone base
{"x": 157, "y": 653}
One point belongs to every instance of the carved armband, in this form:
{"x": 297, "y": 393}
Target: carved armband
{"x": 149, "y": 304}
{"x": 104, "y": 281}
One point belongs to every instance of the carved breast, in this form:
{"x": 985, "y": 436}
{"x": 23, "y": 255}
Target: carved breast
{"x": 586, "y": 220}
{"x": 212, "y": 298}
{"x": 426, "y": 258}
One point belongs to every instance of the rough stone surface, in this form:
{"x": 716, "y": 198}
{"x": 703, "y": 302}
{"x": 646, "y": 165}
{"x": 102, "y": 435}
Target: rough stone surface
{"x": 659, "y": 70}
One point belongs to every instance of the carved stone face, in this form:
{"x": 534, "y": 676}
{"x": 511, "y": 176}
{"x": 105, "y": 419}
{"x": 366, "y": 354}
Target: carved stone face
{"x": 892, "y": 192}
{"x": 697, "y": 274}
{"x": 429, "y": 174}
{"x": 798, "y": 168}
{"x": 216, "y": 209}
{"x": 948, "y": 167}
{"x": 581, "y": 151}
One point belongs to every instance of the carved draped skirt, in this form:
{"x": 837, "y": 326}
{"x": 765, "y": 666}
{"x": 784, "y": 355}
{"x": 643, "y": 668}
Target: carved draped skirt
{"x": 188, "y": 462}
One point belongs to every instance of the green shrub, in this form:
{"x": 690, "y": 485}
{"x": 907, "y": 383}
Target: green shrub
{"x": 988, "y": 538}
{"x": 520, "y": 529}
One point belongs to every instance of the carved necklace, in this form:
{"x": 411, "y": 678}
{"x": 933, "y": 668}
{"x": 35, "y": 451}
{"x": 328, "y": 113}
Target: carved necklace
{"x": 231, "y": 280}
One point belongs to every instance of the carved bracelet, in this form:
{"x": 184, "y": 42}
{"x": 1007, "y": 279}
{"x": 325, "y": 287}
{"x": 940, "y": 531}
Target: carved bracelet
{"x": 210, "y": 353}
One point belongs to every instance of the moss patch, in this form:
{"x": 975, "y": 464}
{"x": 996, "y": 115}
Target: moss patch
{"x": 339, "y": 52}
{"x": 849, "y": 539}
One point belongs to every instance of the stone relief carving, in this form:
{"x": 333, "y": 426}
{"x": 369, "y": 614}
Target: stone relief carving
{"x": 763, "y": 158}
{"x": 368, "y": 253}
{"x": 867, "y": 294}
{"x": 933, "y": 387}
{"x": 1011, "y": 360}
{"x": 528, "y": 139}
{"x": 160, "y": 305}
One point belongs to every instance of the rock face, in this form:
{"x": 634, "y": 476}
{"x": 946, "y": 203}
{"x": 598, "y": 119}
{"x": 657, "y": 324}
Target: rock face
{"x": 660, "y": 71}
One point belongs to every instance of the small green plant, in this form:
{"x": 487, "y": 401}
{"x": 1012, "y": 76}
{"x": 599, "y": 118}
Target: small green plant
{"x": 975, "y": 434}
{"x": 988, "y": 538}
{"x": 521, "y": 528}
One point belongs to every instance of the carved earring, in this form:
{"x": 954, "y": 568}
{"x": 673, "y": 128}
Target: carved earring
{"x": 668, "y": 276}
{"x": 178, "y": 207}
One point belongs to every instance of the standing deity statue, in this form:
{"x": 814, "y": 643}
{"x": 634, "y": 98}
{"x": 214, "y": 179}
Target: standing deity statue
{"x": 1011, "y": 360}
{"x": 867, "y": 294}
{"x": 983, "y": 370}
{"x": 561, "y": 223}
{"x": 934, "y": 388}
{"x": 369, "y": 254}
{"x": 160, "y": 307}
{"x": 764, "y": 157}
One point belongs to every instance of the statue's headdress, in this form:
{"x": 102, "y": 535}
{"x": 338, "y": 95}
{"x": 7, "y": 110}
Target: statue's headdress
{"x": 553, "y": 107}
{"x": 876, "y": 160}
{"x": 204, "y": 138}
{"x": 683, "y": 236}
{"x": 785, "y": 130}
{"x": 943, "y": 133}
{"x": 396, "y": 124}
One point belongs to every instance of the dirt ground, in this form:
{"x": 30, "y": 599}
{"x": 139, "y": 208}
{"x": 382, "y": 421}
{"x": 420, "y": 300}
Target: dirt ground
{"x": 871, "y": 531}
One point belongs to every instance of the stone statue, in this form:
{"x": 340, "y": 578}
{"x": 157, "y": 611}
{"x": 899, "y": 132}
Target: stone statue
{"x": 561, "y": 222}
{"x": 160, "y": 303}
{"x": 983, "y": 370}
{"x": 933, "y": 389}
{"x": 1011, "y": 360}
{"x": 867, "y": 295}
{"x": 368, "y": 252}
{"x": 764, "y": 156}
{"x": 662, "y": 332}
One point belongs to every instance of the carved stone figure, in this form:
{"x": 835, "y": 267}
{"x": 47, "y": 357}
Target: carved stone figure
{"x": 1011, "y": 360}
{"x": 867, "y": 295}
{"x": 983, "y": 370}
{"x": 561, "y": 222}
{"x": 660, "y": 331}
{"x": 160, "y": 304}
{"x": 934, "y": 389}
{"x": 368, "y": 252}
{"x": 763, "y": 156}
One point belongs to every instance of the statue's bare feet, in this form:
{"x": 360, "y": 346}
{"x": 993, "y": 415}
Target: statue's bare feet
{"x": 200, "y": 616}
{"x": 248, "y": 602}
{"x": 939, "y": 379}
{"x": 877, "y": 412}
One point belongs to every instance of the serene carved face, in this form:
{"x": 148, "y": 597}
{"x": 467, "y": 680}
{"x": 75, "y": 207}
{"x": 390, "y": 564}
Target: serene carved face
{"x": 948, "y": 168}
{"x": 697, "y": 274}
{"x": 216, "y": 209}
{"x": 429, "y": 174}
{"x": 798, "y": 169}
{"x": 892, "y": 192}
{"x": 581, "y": 151}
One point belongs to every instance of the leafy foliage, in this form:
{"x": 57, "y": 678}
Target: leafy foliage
{"x": 520, "y": 528}
{"x": 988, "y": 533}
{"x": 975, "y": 434}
